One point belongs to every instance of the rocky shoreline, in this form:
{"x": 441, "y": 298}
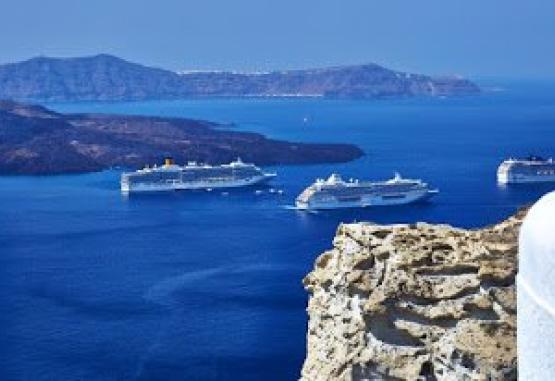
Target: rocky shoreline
{"x": 35, "y": 140}
{"x": 414, "y": 302}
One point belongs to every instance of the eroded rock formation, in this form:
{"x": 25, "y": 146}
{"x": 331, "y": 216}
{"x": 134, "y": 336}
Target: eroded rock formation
{"x": 414, "y": 302}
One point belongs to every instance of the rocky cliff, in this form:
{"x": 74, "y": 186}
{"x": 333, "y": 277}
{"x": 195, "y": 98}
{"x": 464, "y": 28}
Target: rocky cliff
{"x": 104, "y": 77}
{"x": 414, "y": 302}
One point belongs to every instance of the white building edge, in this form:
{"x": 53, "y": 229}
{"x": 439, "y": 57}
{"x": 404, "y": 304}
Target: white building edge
{"x": 536, "y": 293}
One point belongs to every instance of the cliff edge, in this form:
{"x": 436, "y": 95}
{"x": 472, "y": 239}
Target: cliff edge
{"x": 414, "y": 302}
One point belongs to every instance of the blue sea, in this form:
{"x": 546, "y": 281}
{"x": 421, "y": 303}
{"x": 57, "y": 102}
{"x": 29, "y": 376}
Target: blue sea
{"x": 207, "y": 286}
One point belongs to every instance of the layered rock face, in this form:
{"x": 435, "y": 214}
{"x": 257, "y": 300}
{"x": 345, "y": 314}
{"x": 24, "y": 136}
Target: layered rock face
{"x": 414, "y": 302}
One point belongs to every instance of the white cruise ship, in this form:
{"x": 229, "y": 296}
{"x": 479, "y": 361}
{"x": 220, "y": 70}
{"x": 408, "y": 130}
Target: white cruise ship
{"x": 193, "y": 176}
{"x": 530, "y": 170}
{"x": 335, "y": 193}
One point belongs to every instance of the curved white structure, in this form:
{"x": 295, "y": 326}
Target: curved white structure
{"x": 536, "y": 293}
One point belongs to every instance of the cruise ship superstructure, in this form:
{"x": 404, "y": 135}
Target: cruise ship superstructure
{"x": 171, "y": 176}
{"x": 336, "y": 193}
{"x": 530, "y": 170}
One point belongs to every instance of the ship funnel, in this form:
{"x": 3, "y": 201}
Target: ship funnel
{"x": 334, "y": 179}
{"x": 168, "y": 161}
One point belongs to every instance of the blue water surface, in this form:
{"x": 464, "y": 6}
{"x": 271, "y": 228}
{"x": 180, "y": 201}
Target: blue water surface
{"x": 207, "y": 286}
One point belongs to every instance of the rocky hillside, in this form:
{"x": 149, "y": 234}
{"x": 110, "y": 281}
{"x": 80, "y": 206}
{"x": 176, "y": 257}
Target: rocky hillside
{"x": 35, "y": 140}
{"x": 105, "y": 77}
{"x": 414, "y": 302}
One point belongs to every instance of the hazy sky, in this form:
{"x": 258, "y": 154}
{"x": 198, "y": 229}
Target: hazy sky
{"x": 509, "y": 38}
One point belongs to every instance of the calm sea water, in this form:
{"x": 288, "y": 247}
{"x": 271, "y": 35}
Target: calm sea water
{"x": 203, "y": 286}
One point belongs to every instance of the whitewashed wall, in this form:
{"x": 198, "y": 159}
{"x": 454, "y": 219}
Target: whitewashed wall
{"x": 536, "y": 293}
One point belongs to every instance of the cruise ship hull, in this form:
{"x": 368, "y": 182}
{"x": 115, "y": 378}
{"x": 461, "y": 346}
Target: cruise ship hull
{"x": 179, "y": 185}
{"x": 368, "y": 201}
{"x": 508, "y": 178}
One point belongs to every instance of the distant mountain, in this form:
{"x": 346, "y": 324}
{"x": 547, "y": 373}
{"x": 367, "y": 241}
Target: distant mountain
{"x": 35, "y": 140}
{"x": 105, "y": 77}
